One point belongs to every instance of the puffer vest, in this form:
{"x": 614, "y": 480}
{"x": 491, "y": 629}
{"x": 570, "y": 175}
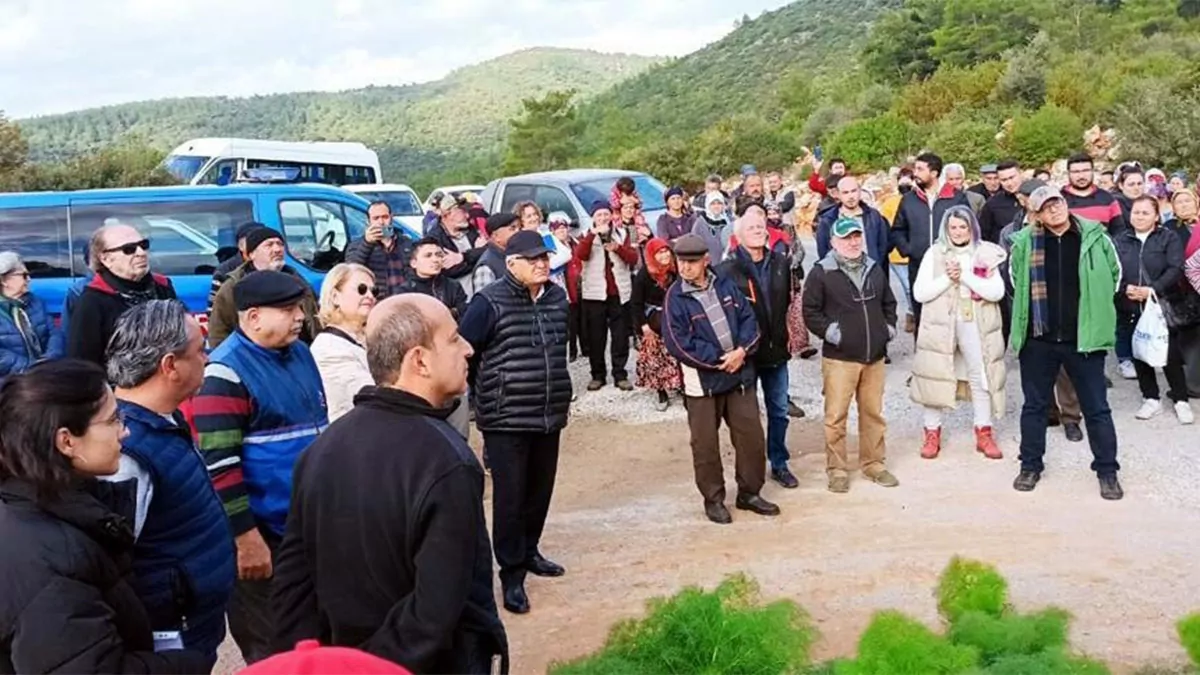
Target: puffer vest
{"x": 522, "y": 383}
{"x": 493, "y": 258}
{"x": 595, "y": 286}
{"x": 184, "y": 561}
{"x": 289, "y": 412}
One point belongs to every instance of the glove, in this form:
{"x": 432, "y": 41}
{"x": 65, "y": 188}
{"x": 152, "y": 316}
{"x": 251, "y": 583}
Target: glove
{"x": 833, "y": 334}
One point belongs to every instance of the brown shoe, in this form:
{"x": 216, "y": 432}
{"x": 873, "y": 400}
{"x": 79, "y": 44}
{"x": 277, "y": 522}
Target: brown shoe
{"x": 883, "y": 478}
{"x": 839, "y": 484}
{"x": 986, "y": 444}
{"x": 910, "y": 323}
{"x": 624, "y": 385}
{"x": 933, "y": 443}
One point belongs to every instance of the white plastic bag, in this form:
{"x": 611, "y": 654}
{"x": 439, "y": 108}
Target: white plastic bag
{"x": 1150, "y": 337}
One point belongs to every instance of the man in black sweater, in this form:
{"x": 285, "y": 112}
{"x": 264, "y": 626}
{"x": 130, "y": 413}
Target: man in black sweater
{"x": 386, "y": 548}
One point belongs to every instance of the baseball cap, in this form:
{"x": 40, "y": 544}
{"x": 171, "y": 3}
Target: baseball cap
{"x": 1042, "y": 195}
{"x": 449, "y": 202}
{"x": 526, "y": 244}
{"x": 844, "y": 227}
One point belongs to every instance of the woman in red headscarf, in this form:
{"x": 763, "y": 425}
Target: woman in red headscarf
{"x": 656, "y": 369}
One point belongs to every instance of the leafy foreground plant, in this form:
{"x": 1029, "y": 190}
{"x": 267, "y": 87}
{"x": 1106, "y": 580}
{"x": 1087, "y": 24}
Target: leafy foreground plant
{"x": 1189, "y": 635}
{"x": 724, "y": 631}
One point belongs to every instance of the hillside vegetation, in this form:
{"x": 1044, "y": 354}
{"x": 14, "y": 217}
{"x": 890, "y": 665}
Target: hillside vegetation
{"x": 422, "y": 127}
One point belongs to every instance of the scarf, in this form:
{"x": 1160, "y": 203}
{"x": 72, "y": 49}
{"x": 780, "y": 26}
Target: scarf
{"x": 1039, "y": 304}
{"x": 853, "y": 268}
{"x": 133, "y": 292}
{"x": 663, "y": 275}
{"x": 15, "y": 310}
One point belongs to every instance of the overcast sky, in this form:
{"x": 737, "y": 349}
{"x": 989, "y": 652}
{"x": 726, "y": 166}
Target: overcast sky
{"x": 61, "y": 55}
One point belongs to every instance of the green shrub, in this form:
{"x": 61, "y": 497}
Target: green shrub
{"x": 1011, "y": 634}
{"x": 1053, "y": 662}
{"x": 1189, "y": 635}
{"x": 895, "y": 644}
{"x": 971, "y": 586}
{"x": 1050, "y": 133}
{"x": 948, "y": 91}
{"x": 873, "y": 143}
{"x": 969, "y": 141}
{"x": 727, "y": 630}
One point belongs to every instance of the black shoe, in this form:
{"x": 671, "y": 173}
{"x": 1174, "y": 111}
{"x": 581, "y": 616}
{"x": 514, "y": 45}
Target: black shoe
{"x": 717, "y": 513}
{"x": 1053, "y": 422}
{"x": 785, "y": 477}
{"x": 887, "y": 360}
{"x": 795, "y": 410}
{"x": 539, "y": 566}
{"x": 515, "y": 599}
{"x": 1073, "y": 432}
{"x": 1026, "y": 481}
{"x": 756, "y": 504}
{"x": 1107, "y": 382}
{"x": 1110, "y": 487}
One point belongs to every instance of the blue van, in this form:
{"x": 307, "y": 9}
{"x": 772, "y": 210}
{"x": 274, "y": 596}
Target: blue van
{"x": 189, "y": 228}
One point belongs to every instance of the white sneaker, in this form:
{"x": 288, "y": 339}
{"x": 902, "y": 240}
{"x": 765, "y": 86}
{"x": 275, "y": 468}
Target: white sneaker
{"x": 1184, "y": 412}
{"x": 1150, "y": 408}
{"x": 1127, "y": 370}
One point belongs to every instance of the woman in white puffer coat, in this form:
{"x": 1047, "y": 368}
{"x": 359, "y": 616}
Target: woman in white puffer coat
{"x": 960, "y": 344}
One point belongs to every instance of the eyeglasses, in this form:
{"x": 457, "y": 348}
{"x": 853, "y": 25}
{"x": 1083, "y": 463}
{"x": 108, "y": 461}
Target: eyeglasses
{"x": 363, "y": 289}
{"x": 130, "y": 248}
{"x": 117, "y": 419}
{"x": 23, "y": 275}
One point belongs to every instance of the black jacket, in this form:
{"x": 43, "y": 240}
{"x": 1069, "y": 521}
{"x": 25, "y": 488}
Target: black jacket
{"x": 999, "y": 212}
{"x": 648, "y": 298}
{"x": 470, "y": 257}
{"x": 520, "y": 364}
{"x": 1158, "y": 263}
{"x": 386, "y": 547}
{"x": 917, "y": 226}
{"x": 770, "y": 306}
{"x": 449, "y": 292}
{"x": 865, "y": 320}
{"x": 94, "y": 317}
{"x": 63, "y": 592}
{"x": 376, "y": 257}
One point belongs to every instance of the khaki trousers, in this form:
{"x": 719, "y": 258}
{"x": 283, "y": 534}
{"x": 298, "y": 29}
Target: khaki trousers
{"x": 1065, "y": 404}
{"x": 846, "y": 381}
{"x": 739, "y": 409}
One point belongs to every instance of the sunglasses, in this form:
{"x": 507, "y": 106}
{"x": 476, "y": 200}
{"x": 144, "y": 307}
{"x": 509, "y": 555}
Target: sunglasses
{"x": 363, "y": 289}
{"x": 131, "y": 247}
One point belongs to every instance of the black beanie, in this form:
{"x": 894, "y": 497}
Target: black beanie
{"x": 258, "y": 235}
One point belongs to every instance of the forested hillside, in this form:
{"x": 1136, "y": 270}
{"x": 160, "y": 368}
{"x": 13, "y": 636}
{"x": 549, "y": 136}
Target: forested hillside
{"x": 429, "y": 126}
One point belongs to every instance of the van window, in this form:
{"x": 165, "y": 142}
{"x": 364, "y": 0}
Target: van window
{"x": 310, "y": 172}
{"x": 184, "y": 236}
{"x": 223, "y": 172}
{"x": 319, "y": 231}
{"x": 513, "y": 195}
{"x": 39, "y": 235}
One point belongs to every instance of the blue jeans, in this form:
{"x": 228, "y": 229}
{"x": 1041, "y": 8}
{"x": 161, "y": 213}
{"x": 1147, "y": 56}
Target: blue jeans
{"x": 901, "y": 273}
{"x": 1040, "y": 363}
{"x": 1126, "y": 323}
{"x": 775, "y": 393}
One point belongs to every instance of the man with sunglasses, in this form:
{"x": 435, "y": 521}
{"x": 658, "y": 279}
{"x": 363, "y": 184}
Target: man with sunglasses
{"x": 120, "y": 255}
{"x": 518, "y": 329}
{"x": 264, "y": 251}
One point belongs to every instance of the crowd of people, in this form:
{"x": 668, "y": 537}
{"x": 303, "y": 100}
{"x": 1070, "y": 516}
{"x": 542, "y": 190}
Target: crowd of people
{"x": 303, "y": 471}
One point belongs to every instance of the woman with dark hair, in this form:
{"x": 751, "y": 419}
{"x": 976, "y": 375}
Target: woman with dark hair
{"x": 656, "y": 369}
{"x": 68, "y": 537}
{"x": 1151, "y": 263}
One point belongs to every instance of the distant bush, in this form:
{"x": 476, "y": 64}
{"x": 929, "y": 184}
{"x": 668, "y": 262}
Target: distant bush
{"x": 970, "y": 141}
{"x": 948, "y": 91}
{"x": 873, "y": 143}
{"x": 1159, "y": 126}
{"x": 1040, "y": 138}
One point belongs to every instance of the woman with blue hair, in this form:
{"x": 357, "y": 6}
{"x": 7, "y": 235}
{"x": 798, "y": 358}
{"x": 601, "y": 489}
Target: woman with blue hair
{"x": 960, "y": 344}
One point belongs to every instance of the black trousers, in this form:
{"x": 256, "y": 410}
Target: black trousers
{"x": 1040, "y": 362}
{"x": 601, "y": 318}
{"x": 575, "y": 334}
{"x": 524, "y": 466}
{"x": 251, "y": 622}
{"x": 1177, "y": 389}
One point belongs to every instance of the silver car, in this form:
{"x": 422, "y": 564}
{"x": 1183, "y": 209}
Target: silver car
{"x": 572, "y": 191}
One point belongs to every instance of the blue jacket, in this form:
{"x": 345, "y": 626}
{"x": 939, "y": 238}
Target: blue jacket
{"x": 690, "y": 338}
{"x": 875, "y": 229}
{"x": 183, "y": 562}
{"x": 14, "y": 357}
{"x": 288, "y": 412}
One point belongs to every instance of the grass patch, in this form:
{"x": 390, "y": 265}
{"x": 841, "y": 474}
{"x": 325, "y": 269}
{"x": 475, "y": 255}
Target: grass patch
{"x": 1011, "y": 634}
{"x": 971, "y": 586}
{"x": 1189, "y": 636}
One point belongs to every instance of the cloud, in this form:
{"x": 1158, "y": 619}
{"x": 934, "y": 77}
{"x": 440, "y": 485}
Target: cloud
{"x": 61, "y": 55}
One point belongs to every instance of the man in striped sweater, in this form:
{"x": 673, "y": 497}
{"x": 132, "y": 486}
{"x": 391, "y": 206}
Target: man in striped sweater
{"x": 1087, "y": 201}
{"x": 260, "y": 406}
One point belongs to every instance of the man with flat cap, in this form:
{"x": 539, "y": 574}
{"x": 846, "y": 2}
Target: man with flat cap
{"x": 260, "y": 406}
{"x": 264, "y": 251}
{"x": 491, "y": 266}
{"x": 989, "y": 185}
{"x": 711, "y": 329}
{"x": 518, "y": 329}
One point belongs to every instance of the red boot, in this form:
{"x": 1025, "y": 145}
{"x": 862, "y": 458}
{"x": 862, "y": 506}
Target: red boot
{"x": 986, "y": 444}
{"x": 933, "y": 443}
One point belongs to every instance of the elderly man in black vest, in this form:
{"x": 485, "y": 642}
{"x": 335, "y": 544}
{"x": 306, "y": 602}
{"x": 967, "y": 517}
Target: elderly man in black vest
{"x": 518, "y": 328}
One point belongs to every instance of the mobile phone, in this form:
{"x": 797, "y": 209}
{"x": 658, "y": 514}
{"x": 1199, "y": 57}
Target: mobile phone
{"x": 818, "y": 153}
{"x": 387, "y": 231}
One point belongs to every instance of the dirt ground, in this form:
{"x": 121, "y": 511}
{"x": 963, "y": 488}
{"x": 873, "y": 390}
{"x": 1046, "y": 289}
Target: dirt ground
{"x": 628, "y": 525}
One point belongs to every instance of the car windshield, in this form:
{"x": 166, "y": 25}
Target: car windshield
{"x": 650, "y": 190}
{"x": 185, "y": 167}
{"x": 402, "y": 203}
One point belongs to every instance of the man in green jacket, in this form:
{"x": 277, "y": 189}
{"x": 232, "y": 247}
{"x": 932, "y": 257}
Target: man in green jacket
{"x": 1064, "y": 273}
